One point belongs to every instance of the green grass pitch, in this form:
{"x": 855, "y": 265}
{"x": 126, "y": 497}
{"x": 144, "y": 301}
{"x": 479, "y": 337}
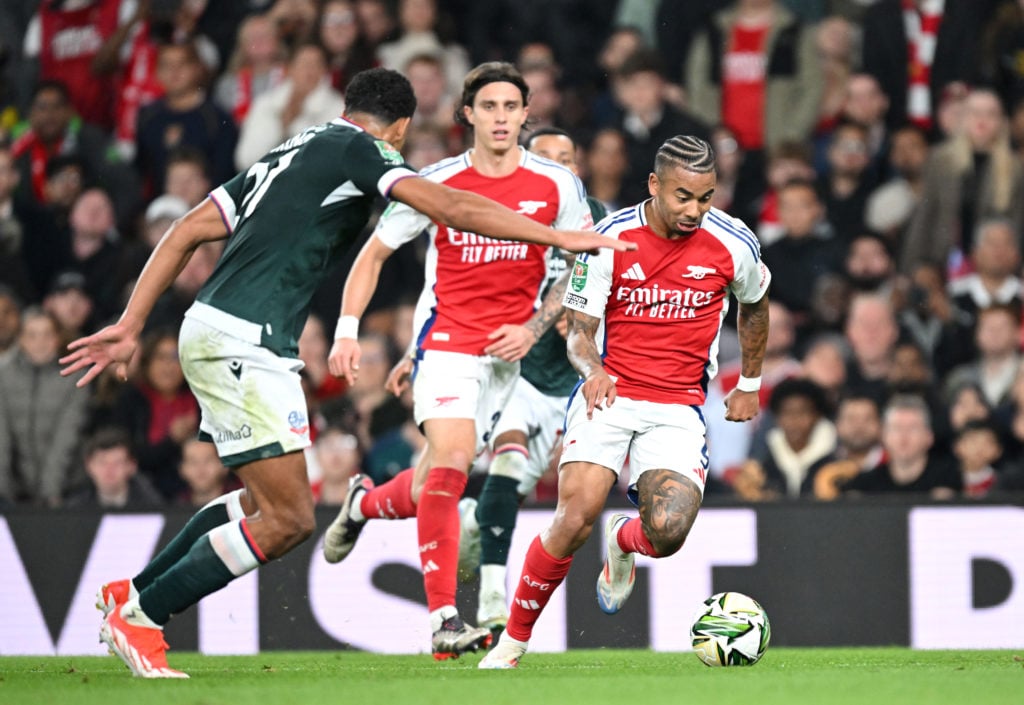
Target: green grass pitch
{"x": 783, "y": 677}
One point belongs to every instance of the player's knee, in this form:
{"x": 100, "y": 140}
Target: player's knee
{"x": 573, "y": 526}
{"x": 292, "y": 528}
{"x": 667, "y": 539}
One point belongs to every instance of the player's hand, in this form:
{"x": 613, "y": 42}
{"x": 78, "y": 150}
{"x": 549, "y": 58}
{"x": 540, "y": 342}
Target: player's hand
{"x": 400, "y": 376}
{"x": 343, "y": 360}
{"x": 590, "y": 242}
{"x": 598, "y": 390}
{"x": 510, "y": 342}
{"x": 741, "y": 406}
{"x": 113, "y": 345}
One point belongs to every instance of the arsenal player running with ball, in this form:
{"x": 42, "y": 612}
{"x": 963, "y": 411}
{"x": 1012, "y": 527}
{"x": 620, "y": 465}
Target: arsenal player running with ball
{"x": 472, "y": 326}
{"x": 658, "y": 311}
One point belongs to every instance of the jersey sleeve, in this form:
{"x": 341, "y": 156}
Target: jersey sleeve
{"x": 590, "y": 284}
{"x": 399, "y": 224}
{"x": 374, "y": 166}
{"x": 573, "y": 209}
{"x": 227, "y": 197}
{"x": 752, "y": 277}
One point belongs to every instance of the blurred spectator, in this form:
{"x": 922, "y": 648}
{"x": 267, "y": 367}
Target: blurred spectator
{"x": 339, "y": 459}
{"x": 256, "y": 65}
{"x": 419, "y": 34}
{"x": 14, "y": 228}
{"x": 872, "y": 332}
{"x": 114, "y": 482}
{"x": 41, "y": 414}
{"x": 952, "y": 110}
{"x": 997, "y": 337}
{"x": 734, "y": 193}
{"x": 825, "y": 362}
{"x": 188, "y": 176}
{"x": 606, "y": 165}
{"x": 729, "y": 443}
{"x": 377, "y": 410}
{"x": 836, "y": 40}
{"x": 303, "y": 100}
{"x": 932, "y": 322}
{"x": 846, "y": 182}
{"x": 755, "y": 68}
{"x": 647, "y": 119}
{"x": 92, "y": 247}
{"x": 996, "y": 260}
{"x": 858, "y": 446}
{"x": 965, "y": 402}
{"x": 425, "y": 145}
{"x": 313, "y": 348}
{"x": 69, "y": 303}
{"x": 890, "y": 207}
{"x": 869, "y": 265}
{"x": 622, "y": 42}
{"x": 908, "y": 467}
{"x": 866, "y": 105}
{"x": 185, "y": 115}
{"x": 158, "y": 412}
{"x": 53, "y": 129}
{"x": 970, "y": 177}
{"x": 915, "y": 48}
{"x": 68, "y": 37}
{"x": 170, "y": 307}
{"x": 10, "y": 323}
{"x": 295, "y": 21}
{"x": 802, "y": 436}
{"x": 545, "y": 96}
{"x": 376, "y": 21}
{"x": 803, "y": 253}
{"x": 790, "y": 161}
{"x": 1001, "y": 47}
{"x": 66, "y": 178}
{"x": 435, "y": 105}
{"x": 348, "y": 52}
{"x": 977, "y": 448}
{"x": 206, "y": 478}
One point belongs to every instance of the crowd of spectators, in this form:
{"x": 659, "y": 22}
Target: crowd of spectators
{"x": 876, "y": 148}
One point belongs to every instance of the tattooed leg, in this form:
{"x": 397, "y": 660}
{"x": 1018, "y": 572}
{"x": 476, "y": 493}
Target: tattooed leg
{"x": 668, "y": 507}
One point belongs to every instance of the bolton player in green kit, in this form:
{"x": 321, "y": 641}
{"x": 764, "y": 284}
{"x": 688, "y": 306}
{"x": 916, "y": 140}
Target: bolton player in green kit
{"x": 287, "y": 220}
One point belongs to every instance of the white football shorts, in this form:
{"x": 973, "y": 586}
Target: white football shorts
{"x": 251, "y": 399}
{"x": 450, "y": 385}
{"x": 653, "y": 436}
{"x": 541, "y": 418}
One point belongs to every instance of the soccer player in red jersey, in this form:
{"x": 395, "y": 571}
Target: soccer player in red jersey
{"x": 473, "y": 325}
{"x": 658, "y": 312}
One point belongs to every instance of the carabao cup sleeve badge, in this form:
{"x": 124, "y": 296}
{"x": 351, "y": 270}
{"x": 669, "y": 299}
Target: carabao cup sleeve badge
{"x": 579, "y": 276}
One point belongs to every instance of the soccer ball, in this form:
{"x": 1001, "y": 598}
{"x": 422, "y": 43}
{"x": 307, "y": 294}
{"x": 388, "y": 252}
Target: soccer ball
{"x": 731, "y": 629}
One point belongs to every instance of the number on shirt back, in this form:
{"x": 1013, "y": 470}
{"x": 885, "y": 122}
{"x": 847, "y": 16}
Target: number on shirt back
{"x": 263, "y": 174}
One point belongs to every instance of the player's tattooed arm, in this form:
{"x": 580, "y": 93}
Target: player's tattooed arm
{"x": 551, "y": 306}
{"x": 598, "y": 387}
{"x": 752, "y": 325}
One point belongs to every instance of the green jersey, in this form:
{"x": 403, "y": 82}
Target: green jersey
{"x": 291, "y": 216}
{"x": 547, "y": 366}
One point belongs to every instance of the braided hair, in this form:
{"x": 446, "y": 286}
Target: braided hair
{"x": 686, "y": 151}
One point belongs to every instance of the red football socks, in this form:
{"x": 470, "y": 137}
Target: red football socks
{"x": 392, "y": 500}
{"x": 632, "y": 539}
{"x": 437, "y": 523}
{"x": 542, "y": 573}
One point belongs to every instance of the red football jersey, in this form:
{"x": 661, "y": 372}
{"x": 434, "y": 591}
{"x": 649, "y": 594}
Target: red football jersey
{"x": 663, "y": 304}
{"x": 475, "y": 283}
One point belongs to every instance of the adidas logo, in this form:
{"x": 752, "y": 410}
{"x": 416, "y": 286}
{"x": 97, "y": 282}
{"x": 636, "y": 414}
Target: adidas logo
{"x": 430, "y": 567}
{"x": 634, "y": 272}
{"x": 528, "y": 604}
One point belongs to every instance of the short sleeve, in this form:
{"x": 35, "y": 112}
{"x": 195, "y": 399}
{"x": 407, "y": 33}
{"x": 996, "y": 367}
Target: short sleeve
{"x": 374, "y": 166}
{"x": 400, "y": 224}
{"x": 228, "y": 196}
{"x": 751, "y": 281}
{"x": 590, "y": 283}
{"x": 573, "y": 209}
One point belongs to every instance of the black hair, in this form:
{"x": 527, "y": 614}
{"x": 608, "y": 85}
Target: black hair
{"x": 489, "y": 72}
{"x": 686, "y": 151}
{"x": 549, "y": 132}
{"x": 107, "y": 438}
{"x": 51, "y": 84}
{"x": 643, "y": 60}
{"x": 799, "y": 387}
{"x": 382, "y": 93}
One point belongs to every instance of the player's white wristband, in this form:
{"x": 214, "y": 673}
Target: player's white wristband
{"x": 348, "y": 327}
{"x": 749, "y": 384}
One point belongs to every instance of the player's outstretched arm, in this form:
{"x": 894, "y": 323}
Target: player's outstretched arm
{"x": 752, "y": 326}
{"x": 343, "y": 360}
{"x": 116, "y": 343}
{"x": 581, "y": 346}
{"x": 468, "y": 211}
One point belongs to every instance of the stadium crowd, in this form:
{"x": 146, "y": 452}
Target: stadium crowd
{"x": 876, "y": 148}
